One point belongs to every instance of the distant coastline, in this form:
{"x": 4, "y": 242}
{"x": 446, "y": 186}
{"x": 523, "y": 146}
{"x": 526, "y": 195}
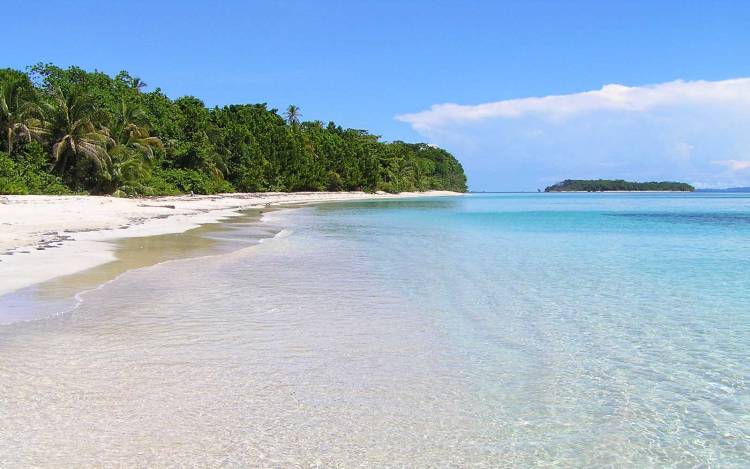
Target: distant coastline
{"x": 618, "y": 185}
{"x": 728, "y": 189}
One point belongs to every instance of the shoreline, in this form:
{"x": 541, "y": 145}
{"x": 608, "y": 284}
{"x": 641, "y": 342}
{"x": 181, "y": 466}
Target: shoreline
{"x": 64, "y": 294}
{"x": 45, "y": 237}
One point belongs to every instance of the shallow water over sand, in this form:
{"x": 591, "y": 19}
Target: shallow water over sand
{"x": 513, "y": 330}
{"x": 61, "y": 294}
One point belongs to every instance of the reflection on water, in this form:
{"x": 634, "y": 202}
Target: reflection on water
{"x": 413, "y": 335}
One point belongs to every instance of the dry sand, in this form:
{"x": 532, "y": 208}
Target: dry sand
{"x": 43, "y": 237}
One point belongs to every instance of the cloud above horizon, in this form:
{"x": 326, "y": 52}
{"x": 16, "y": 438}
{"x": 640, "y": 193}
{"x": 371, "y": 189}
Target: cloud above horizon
{"x": 695, "y": 131}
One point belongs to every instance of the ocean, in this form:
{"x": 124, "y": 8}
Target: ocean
{"x": 487, "y": 330}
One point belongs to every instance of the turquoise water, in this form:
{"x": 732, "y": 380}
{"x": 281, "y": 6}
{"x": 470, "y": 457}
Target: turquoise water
{"x": 509, "y": 330}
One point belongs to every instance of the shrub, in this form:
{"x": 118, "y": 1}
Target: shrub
{"x": 335, "y": 183}
{"x": 28, "y": 173}
{"x": 191, "y": 180}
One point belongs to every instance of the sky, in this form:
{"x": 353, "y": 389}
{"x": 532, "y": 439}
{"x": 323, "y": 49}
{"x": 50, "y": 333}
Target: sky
{"x": 524, "y": 93}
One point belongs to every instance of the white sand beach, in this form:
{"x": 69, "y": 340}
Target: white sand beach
{"x": 43, "y": 237}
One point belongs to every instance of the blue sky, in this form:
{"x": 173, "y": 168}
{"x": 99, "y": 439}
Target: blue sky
{"x": 362, "y": 64}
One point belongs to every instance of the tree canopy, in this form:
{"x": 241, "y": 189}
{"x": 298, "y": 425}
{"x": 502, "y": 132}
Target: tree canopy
{"x": 71, "y": 130}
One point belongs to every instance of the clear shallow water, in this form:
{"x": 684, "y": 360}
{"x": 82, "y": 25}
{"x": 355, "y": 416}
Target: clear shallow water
{"x": 506, "y": 330}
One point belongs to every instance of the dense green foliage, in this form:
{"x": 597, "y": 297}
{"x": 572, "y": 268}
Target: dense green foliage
{"x": 27, "y": 173}
{"x": 603, "y": 185}
{"x": 72, "y": 130}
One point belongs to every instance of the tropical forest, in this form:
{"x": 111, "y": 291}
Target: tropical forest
{"x": 68, "y": 130}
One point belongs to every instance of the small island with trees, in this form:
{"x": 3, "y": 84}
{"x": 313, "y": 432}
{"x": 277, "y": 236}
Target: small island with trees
{"x": 609, "y": 185}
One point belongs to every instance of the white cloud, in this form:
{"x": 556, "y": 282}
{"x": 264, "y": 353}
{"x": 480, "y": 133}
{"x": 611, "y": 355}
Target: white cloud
{"x": 611, "y": 97}
{"x": 679, "y": 130}
{"x": 734, "y": 165}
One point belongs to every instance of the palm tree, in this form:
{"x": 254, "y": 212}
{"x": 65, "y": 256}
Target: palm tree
{"x": 133, "y": 152}
{"x": 72, "y": 120}
{"x": 130, "y": 171}
{"x": 138, "y": 84}
{"x": 128, "y": 129}
{"x": 19, "y": 113}
{"x": 292, "y": 114}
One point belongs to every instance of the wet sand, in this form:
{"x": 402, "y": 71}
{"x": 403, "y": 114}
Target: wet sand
{"x": 60, "y": 294}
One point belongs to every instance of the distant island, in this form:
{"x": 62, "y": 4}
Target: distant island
{"x": 606, "y": 185}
